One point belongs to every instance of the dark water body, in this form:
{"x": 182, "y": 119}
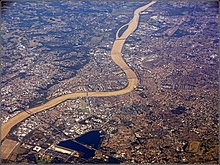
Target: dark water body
{"x": 122, "y": 30}
{"x": 92, "y": 138}
{"x": 86, "y": 153}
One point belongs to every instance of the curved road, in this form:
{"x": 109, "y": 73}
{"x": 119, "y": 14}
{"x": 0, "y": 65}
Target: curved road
{"x": 116, "y": 57}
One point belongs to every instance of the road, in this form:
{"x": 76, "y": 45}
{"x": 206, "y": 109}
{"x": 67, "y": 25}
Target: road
{"x": 116, "y": 57}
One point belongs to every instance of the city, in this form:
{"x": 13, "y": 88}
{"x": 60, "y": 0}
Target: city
{"x": 52, "y": 49}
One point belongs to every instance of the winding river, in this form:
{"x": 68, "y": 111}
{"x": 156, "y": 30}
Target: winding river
{"x": 116, "y": 57}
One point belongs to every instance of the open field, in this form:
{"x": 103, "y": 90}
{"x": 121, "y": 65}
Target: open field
{"x": 7, "y": 148}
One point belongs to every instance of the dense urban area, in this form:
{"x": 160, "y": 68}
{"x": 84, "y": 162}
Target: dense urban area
{"x": 54, "y": 48}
